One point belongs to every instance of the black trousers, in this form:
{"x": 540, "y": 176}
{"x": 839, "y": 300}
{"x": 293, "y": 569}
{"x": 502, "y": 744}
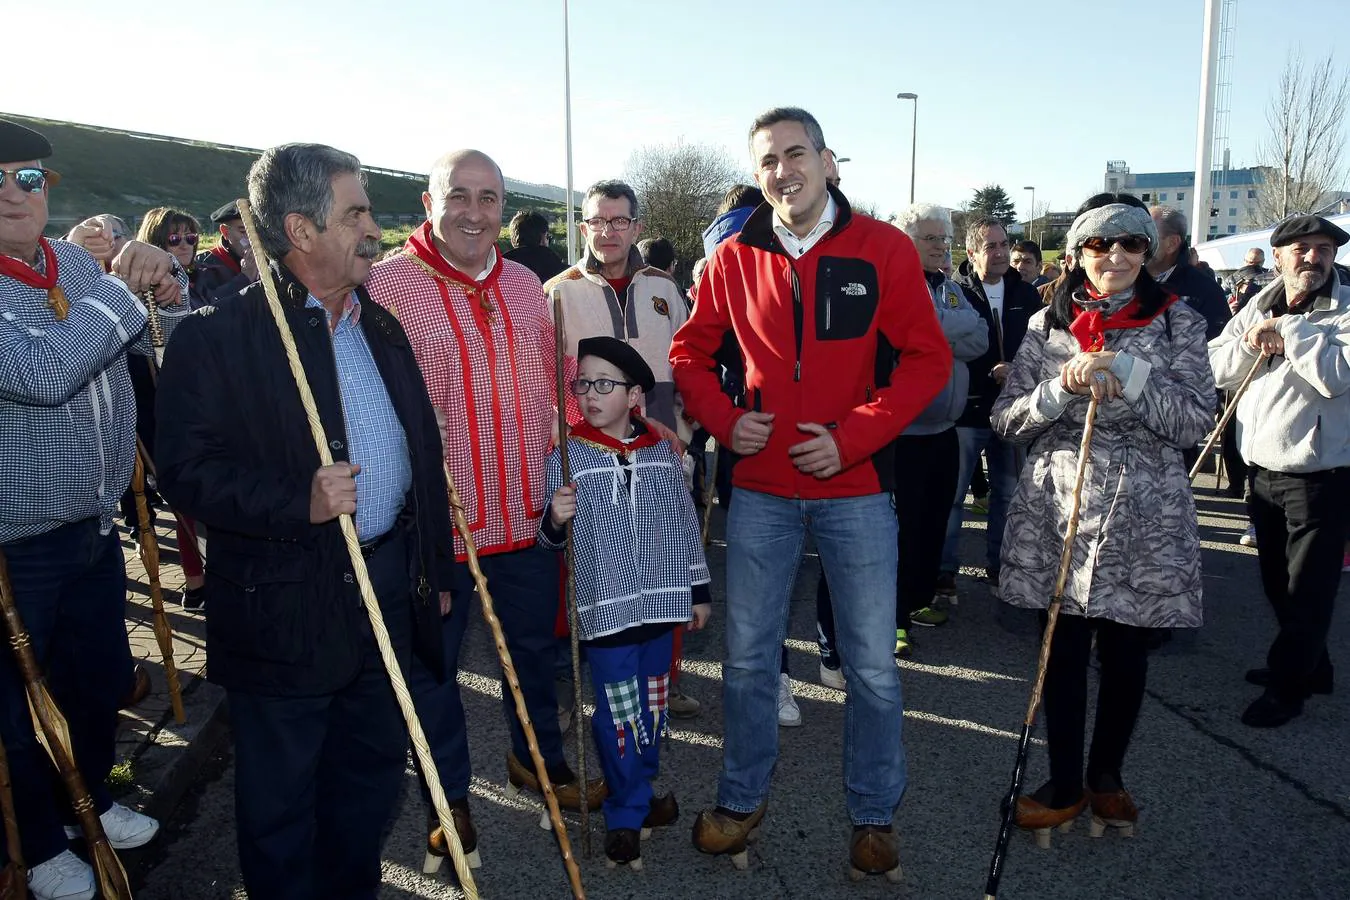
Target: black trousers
{"x": 1232, "y": 457}
{"x": 927, "y": 467}
{"x": 1300, "y": 522}
{"x": 1122, "y": 651}
{"x": 317, "y": 778}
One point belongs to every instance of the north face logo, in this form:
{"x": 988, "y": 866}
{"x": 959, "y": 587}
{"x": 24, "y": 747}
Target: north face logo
{"x": 853, "y": 289}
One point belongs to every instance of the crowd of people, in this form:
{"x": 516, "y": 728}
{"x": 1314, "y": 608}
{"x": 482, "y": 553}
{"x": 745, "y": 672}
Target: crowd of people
{"x": 855, "y": 384}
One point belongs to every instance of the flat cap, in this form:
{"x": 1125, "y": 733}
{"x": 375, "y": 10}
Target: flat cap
{"x": 226, "y": 213}
{"x": 19, "y": 144}
{"x": 1292, "y": 229}
{"x": 615, "y": 351}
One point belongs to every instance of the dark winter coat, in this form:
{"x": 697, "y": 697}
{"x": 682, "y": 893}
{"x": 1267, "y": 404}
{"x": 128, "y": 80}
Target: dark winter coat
{"x": 1020, "y": 303}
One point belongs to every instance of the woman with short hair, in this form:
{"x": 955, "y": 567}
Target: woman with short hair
{"x": 1111, "y": 332}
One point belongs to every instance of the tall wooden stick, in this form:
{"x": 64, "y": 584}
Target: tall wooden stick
{"x": 1228, "y": 412}
{"x": 579, "y": 725}
{"x": 368, "y": 598}
{"x": 1009, "y": 820}
{"x": 17, "y": 889}
{"x": 513, "y": 682}
{"x": 150, "y": 559}
{"x": 54, "y": 735}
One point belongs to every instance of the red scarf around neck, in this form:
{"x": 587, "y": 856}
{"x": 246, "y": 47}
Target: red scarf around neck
{"x": 422, "y": 247}
{"x": 43, "y": 281}
{"x": 1090, "y": 326}
{"x": 646, "y": 437}
{"x": 226, "y": 258}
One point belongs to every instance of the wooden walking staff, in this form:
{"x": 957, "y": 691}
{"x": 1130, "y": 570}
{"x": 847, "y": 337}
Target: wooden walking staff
{"x": 513, "y": 682}
{"x": 710, "y": 491}
{"x": 150, "y": 559}
{"x": 368, "y": 599}
{"x": 14, "y": 878}
{"x": 54, "y": 735}
{"x": 560, "y": 333}
{"x": 1056, "y": 601}
{"x": 1217, "y": 434}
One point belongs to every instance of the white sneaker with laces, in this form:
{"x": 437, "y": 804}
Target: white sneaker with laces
{"x": 63, "y": 877}
{"x": 832, "y": 678}
{"x": 789, "y": 716}
{"x": 126, "y": 829}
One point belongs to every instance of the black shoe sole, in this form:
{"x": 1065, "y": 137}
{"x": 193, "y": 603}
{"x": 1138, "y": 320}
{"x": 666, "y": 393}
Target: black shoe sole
{"x": 1261, "y": 678}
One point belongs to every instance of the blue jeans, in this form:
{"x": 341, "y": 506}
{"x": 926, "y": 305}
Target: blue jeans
{"x": 441, "y": 708}
{"x": 856, "y": 538}
{"x": 1003, "y": 469}
{"x": 70, "y": 590}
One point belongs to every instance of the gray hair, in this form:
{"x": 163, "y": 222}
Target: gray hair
{"x": 295, "y": 178}
{"x": 916, "y": 213}
{"x": 612, "y": 189}
{"x": 1170, "y": 221}
{"x": 789, "y": 114}
{"x": 975, "y": 226}
{"x": 438, "y": 183}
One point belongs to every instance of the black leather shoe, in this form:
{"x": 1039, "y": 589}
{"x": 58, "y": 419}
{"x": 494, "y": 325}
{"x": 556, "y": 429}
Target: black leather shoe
{"x": 1321, "y": 681}
{"x": 1271, "y": 710}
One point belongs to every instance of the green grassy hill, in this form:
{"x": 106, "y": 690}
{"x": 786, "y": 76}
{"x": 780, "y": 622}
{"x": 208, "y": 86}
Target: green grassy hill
{"x": 106, "y": 170}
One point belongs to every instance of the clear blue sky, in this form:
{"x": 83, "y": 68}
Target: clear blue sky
{"x": 1010, "y": 93}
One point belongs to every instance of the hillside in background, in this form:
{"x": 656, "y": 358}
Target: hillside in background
{"x": 106, "y": 170}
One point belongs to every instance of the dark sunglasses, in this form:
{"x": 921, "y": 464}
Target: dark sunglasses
{"x": 29, "y": 180}
{"x": 174, "y": 240}
{"x": 601, "y": 385}
{"x": 1130, "y": 243}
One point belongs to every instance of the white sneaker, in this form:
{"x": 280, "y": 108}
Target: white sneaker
{"x": 1248, "y": 538}
{"x": 63, "y": 877}
{"x": 832, "y": 678}
{"x": 789, "y": 715}
{"x": 126, "y": 829}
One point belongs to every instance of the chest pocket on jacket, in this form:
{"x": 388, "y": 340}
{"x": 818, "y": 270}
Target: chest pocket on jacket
{"x": 846, "y": 298}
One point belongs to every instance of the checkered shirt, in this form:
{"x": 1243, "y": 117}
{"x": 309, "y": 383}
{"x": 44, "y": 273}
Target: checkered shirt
{"x": 636, "y": 543}
{"x": 375, "y": 438}
{"x": 494, "y": 379}
{"x": 67, "y": 411}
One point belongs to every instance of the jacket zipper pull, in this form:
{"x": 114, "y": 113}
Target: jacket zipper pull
{"x": 423, "y": 589}
{"x": 797, "y": 372}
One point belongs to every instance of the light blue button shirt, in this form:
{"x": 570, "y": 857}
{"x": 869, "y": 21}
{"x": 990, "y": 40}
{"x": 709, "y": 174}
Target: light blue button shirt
{"x": 375, "y": 438}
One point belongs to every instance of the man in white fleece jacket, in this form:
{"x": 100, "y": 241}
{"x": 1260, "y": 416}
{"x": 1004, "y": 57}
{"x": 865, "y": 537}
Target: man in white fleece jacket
{"x": 1294, "y": 432}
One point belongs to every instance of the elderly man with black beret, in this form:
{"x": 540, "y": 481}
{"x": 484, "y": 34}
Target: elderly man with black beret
{"x": 67, "y": 442}
{"x": 1294, "y": 432}
{"x": 227, "y": 268}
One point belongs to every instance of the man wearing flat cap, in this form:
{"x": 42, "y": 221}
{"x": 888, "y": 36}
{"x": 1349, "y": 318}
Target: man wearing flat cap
{"x": 1294, "y": 432}
{"x": 67, "y": 442}
{"x": 227, "y": 268}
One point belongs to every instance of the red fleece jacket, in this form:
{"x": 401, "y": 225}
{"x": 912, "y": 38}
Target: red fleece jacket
{"x": 819, "y": 335}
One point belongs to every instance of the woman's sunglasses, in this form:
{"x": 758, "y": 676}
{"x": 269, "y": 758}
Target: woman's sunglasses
{"x": 1130, "y": 243}
{"x": 174, "y": 240}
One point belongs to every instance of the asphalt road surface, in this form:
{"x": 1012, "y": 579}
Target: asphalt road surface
{"x": 1226, "y": 811}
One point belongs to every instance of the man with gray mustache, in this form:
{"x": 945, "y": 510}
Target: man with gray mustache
{"x": 319, "y": 742}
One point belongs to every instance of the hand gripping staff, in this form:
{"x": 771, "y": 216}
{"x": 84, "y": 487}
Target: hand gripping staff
{"x": 1029, "y": 723}
{"x": 1228, "y": 412}
{"x": 348, "y": 526}
{"x": 150, "y": 559}
{"x": 54, "y": 734}
{"x": 580, "y": 724}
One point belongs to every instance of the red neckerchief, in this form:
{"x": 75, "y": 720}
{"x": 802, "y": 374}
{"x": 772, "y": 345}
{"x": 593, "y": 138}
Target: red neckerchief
{"x": 585, "y": 431}
{"x": 422, "y": 247}
{"x": 226, "y": 258}
{"x": 43, "y": 281}
{"x": 1090, "y": 326}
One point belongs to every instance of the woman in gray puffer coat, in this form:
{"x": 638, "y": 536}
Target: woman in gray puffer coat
{"x": 1111, "y": 332}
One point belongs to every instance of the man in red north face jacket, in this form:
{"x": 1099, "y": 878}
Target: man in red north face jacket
{"x": 820, "y": 300}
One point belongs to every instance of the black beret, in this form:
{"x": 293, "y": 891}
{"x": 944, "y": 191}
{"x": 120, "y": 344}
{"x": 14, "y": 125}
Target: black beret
{"x": 20, "y": 144}
{"x": 1292, "y": 229}
{"x": 615, "y": 351}
{"x": 226, "y": 213}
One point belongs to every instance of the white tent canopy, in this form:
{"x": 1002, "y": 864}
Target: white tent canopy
{"x": 1226, "y": 253}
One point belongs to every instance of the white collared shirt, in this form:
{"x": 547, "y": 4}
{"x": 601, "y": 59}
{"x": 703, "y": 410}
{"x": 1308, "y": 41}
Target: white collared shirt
{"x": 491, "y": 261}
{"x": 797, "y": 247}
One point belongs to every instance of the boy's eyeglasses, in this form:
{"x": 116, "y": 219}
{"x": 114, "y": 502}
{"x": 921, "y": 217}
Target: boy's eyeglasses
{"x": 602, "y": 385}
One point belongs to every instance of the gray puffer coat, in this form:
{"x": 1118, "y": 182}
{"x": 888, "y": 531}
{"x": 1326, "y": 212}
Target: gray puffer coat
{"x": 1136, "y": 558}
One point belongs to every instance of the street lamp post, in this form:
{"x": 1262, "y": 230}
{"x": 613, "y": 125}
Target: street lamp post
{"x": 914, "y": 138}
{"x": 567, "y": 116}
{"x": 1031, "y": 219}
{"x": 839, "y": 166}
